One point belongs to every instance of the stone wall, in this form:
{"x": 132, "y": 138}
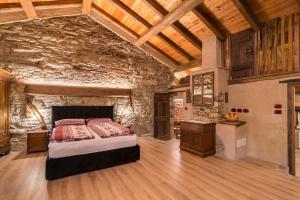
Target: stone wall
{"x": 78, "y": 51}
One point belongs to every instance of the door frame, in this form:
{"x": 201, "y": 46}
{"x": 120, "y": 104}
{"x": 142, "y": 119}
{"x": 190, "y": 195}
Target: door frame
{"x": 291, "y": 124}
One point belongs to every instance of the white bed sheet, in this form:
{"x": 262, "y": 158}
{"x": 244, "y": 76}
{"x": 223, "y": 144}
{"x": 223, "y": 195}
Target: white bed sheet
{"x": 98, "y": 144}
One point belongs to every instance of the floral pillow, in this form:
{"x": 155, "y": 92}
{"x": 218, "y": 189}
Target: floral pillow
{"x": 64, "y": 122}
{"x": 91, "y": 121}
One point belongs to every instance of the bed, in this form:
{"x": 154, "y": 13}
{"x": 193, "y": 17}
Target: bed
{"x": 71, "y": 158}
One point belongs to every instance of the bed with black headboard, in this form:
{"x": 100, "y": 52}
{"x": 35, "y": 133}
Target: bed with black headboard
{"x": 76, "y": 164}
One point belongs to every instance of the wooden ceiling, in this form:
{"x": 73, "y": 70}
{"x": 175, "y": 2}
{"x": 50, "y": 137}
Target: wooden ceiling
{"x": 169, "y": 30}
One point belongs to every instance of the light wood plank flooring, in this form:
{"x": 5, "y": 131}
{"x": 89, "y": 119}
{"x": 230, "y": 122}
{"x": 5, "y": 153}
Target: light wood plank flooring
{"x": 162, "y": 173}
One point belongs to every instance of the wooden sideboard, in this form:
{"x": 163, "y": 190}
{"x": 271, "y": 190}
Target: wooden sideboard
{"x": 198, "y": 137}
{"x": 4, "y": 112}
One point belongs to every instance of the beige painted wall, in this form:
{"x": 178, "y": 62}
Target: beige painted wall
{"x": 267, "y": 132}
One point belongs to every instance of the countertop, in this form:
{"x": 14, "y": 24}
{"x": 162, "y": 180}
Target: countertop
{"x": 197, "y": 121}
{"x": 238, "y": 123}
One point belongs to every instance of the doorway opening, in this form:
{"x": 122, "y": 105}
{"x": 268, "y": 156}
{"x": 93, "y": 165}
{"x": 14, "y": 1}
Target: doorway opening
{"x": 293, "y": 125}
{"x": 178, "y": 112}
{"x": 297, "y": 130}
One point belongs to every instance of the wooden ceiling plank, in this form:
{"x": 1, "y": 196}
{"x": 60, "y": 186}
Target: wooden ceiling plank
{"x": 114, "y": 25}
{"x": 248, "y": 14}
{"x": 28, "y": 9}
{"x": 205, "y": 16}
{"x": 86, "y": 6}
{"x": 163, "y": 37}
{"x": 169, "y": 19}
{"x": 178, "y": 26}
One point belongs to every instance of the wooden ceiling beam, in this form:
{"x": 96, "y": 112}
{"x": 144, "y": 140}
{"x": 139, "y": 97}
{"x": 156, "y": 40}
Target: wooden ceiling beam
{"x": 189, "y": 65}
{"x": 248, "y": 14}
{"x": 44, "y": 10}
{"x": 169, "y": 19}
{"x": 59, "y": 10}
{"x": 203, "y": 13}
{"x": 86, "y": 6}
{"x": 298, "y": 3}
{"x": 178, "y": 26}
{"x": 79, "y": 91}
{"x": 28, "y": 9}
{"x": 120, "y": 29}
{"x": 162, "y": 36}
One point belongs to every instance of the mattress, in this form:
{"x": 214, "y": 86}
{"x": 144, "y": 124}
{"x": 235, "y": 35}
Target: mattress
{"x": 98, "y": 144}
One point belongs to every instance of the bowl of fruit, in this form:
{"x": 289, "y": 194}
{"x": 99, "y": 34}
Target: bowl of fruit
{"x": 232, "y": 117}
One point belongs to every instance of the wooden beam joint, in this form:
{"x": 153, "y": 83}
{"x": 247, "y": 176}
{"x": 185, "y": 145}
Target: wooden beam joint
{"x": 28, "y": 9}
{"x": 248, "y": 14}
{"x": 86, "y": 6}
{"x": 205, "y": 16}
{"x": 168, "y": 20}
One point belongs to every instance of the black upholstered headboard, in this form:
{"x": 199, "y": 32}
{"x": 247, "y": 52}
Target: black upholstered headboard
{"x": 75, "y": 112}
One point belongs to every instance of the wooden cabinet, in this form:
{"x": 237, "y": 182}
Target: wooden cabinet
{"x": 4, "y": 112}
{"x": 198, "y": 138}
{"x": 242, "y": 54}
{"x": 37, "y": 141}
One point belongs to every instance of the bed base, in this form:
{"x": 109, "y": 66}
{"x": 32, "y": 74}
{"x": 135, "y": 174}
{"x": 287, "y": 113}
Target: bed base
{"x": 72, "y": 165}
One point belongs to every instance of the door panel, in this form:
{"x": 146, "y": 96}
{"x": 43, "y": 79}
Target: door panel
{"x": 242, "y": 54}
{"x": 161, "y": 115}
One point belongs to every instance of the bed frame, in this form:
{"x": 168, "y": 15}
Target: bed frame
{"x": 68, "y": 166}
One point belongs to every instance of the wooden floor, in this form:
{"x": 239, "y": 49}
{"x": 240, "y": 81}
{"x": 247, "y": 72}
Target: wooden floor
{"x": 162, "y": 173}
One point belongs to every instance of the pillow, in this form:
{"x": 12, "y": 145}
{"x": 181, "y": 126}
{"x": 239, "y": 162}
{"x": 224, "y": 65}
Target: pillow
{"x": 91, "y": 121}
{"x": 63, "y": 122}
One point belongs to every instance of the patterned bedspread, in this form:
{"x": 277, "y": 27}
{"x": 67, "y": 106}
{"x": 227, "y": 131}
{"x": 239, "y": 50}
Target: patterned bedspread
{"x": 110, "y": 129}
{"x": 71, "y": 133}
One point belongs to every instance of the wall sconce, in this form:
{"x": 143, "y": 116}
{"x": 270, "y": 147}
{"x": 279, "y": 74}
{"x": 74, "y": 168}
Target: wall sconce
{"x": 36, "y": 113}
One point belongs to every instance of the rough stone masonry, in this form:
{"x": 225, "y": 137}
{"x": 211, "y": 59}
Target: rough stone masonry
{"x": 78, "y": 51}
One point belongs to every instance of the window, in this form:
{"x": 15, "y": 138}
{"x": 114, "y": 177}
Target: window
{"x": 203, "y": 89}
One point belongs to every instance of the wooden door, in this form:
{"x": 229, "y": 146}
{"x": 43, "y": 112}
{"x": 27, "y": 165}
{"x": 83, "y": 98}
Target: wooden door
{"x": 242, "y": 54}
{"x": 4, "y": 112}
{"x": 162, "y": 116}
{"x": 4, "y": 123}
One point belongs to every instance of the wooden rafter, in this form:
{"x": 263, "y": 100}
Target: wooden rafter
{"x": 203, "y": 13}
{"x": 178, "y": 26}
{"x": 169, "y": 19}
{"x": 28, "y": 9}
{"x": 189, "y": 65}
{"x": 120, "y": 29}
{"x": 86, "y": 6}
{"x": 127, "y": 10}
{"x": 248, "y": 14}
